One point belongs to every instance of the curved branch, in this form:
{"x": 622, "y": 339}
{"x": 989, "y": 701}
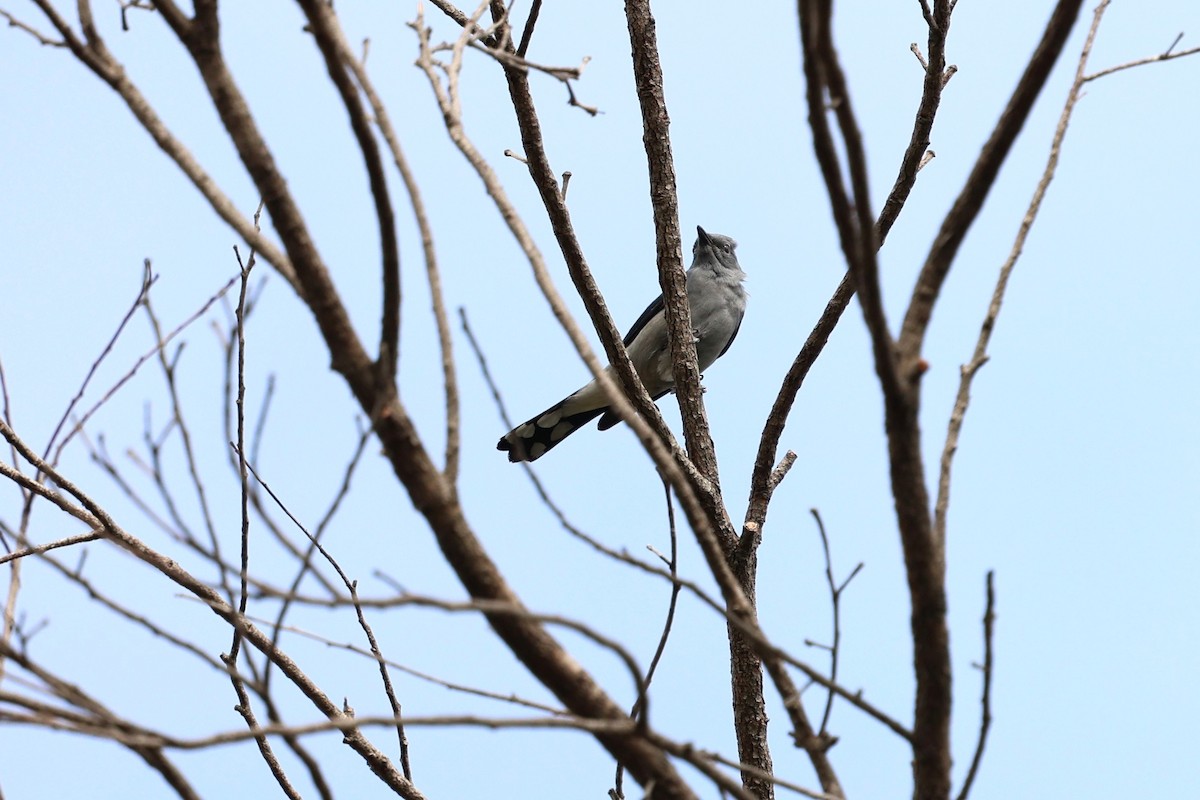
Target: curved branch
{"x": 324, "y": 26}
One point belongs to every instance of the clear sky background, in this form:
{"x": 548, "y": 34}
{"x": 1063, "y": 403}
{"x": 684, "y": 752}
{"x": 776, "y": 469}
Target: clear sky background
{"x": 1076, "y": 479}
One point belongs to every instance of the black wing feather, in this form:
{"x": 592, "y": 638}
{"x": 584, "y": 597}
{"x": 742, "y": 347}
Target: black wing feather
{"x": 609, "y": 419}
{"x": 654, "y": 308}
{"x": 733, "y": 336}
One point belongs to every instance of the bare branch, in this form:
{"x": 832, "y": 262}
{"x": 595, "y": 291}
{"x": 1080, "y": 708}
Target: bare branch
{"x": 323, "y": 23}
{"x": 68, "y": 541}
{"x": 94, "y": 718}
{"x": 352, "y": 587}
{"x": 162, "y": 342}
{"x": 985, "y": 721}
{"x": 655, "y": 436}
{"x": 92, "y": 514}
{"x": 95, "y": 55}
{"x": 527, "y": 34}
{"x": 835, "y": 596}
{"x": 638, "y": 711}
{"x": 423, "y": 676}
{"x": 970, "y": 200}
{"x": 910, "y": 164}
{"x": 41, "y": 38}
{"x": 663, "y": 194}
{"x": 916, "y": 51}
{"x": 147, "y": 281}
{"x": 1166, "y": 55}
{"x": 980, "y": 357}
{"x": 432, "y": 273}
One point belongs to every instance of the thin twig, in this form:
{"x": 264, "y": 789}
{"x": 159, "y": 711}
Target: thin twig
{"x": 243, "y": 477}
{"x": 1168, "y": 55}
{"x": 162, "y": 342}
{"x": 147, "y": 281}
{"x": 980, "y": 356}
{"x": 68, "y": 541}
{"x": 231, "y": 658}
{"x": 352, "y": 588}
{"x": 178, "y": 421}
{"x": 94, "y": 515}
{"x": 985, "y": 721}
{"x": 835, "y": 596}
{"x": 42, "y": 38}
{"x": 135, "y": 738}
{"x": 424, "y": 676}
{"x": 638, "y": 712}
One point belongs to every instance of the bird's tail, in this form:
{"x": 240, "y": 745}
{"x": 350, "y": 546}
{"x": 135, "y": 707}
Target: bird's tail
{"x": 530, "y": 440}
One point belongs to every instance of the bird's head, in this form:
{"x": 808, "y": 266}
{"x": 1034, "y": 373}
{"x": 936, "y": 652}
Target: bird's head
{"x": 715, "y": 247}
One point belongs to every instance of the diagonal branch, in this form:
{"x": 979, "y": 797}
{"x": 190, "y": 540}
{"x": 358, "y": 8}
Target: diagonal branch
{"x": 910, "y": 164}
{"x": 89, "y": 512}
{"x": 979, "y": 357}
{"x": 100, "y": 61}
{"x": 979, "y": 183}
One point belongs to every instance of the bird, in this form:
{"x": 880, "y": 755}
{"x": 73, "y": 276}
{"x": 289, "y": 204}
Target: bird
{"x": 717, "y": 302}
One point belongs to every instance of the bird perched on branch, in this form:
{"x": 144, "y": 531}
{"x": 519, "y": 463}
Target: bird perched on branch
{"x": 717, "y": 302}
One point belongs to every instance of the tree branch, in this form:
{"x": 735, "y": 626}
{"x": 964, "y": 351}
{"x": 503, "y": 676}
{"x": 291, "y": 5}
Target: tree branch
{"x": 324, "y": 25}
{"x": 970, "y": 200}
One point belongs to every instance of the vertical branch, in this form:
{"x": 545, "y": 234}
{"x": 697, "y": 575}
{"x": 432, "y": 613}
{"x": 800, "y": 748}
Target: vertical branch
{"x": 647, "y": 422}
{"x": 638, "y": 712}
{"x": 851, "y": 205}
{"x": 168, "y": 366}
{"x": 750, "y": 718}
{"x": 647, "y": 72}
{"x": 985, "y": 720}
{"x": 898, "y": 364}
{"x": 835, "y": 599}
{"x": 231, "y": 659}
{"x": 243, "y": 476}
{"x": 924, "y": 561}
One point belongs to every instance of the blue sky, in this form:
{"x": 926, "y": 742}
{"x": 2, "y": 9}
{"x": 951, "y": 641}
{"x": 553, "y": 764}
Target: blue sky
{"x": 1076, "y": 478}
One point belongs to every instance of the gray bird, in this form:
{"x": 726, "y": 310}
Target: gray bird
{"x": 717, "y": 302}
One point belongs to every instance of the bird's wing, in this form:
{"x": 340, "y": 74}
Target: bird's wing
{"x": 733, "y": 335}
{"x": 651, "y": 310}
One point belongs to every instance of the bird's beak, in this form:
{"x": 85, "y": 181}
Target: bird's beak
{"x": 705, "y": 240}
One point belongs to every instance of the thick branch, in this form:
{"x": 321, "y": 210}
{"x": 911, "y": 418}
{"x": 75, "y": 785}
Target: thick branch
{"x": 648, "y": 77}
